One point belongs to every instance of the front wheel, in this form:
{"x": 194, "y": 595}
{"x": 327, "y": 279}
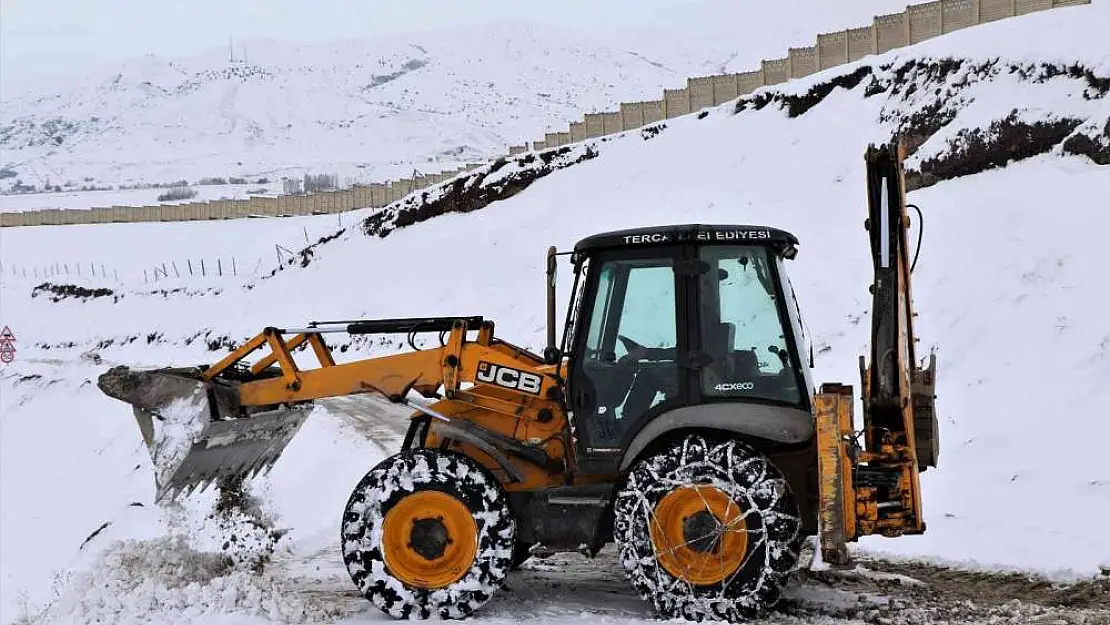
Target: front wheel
{"x": 428, "y": 534}
{"x": 707, "y": 530}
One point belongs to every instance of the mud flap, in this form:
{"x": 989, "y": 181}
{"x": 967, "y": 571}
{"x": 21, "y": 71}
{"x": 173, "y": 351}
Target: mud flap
{"x": 195, "y": 433}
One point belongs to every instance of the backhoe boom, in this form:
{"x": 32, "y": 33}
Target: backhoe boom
{"x": 874, "y": 488}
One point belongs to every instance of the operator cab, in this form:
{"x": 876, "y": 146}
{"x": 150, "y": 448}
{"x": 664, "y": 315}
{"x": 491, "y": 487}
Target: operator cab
{"x": 674, "y": 317}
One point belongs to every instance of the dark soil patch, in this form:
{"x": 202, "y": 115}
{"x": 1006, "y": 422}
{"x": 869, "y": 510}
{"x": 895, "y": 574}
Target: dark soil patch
{"x": 918, "y": 127}
{"x": 1097, "y": 86}
{"x": 999, "y": 587}
{"x": 184, "y": 291}
{"x": 304, "y": 257}
{"x": 95, "y": 533}
{"x": 472, "y": 193}
{"x": 977, "y": 150}
{"x": 797, "y": 105}
{"x": 652, "y": 131}
{"x": 1094, "y": 146}
{"x": 59, "y": 292}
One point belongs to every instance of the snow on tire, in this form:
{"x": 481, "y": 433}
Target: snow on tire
{"x": 729, "y": 563}
{"x": 413, "y": 519}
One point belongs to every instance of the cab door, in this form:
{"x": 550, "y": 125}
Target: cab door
{"x": 626, "y": 368}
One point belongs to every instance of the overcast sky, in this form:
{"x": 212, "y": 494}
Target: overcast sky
{"x": 50, "y": 35}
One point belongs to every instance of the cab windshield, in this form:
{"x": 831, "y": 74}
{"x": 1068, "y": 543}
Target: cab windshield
{"x": 742, "y": 327}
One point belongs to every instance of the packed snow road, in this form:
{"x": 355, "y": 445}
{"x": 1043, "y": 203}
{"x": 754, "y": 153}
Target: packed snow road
{"x": 569, "y": 588}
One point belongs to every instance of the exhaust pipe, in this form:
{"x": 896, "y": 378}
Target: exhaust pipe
{"x": 551, "y": 299}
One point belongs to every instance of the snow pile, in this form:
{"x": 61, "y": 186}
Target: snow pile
{"x": 105, "y": 550}
{"x": 167, "y": 581}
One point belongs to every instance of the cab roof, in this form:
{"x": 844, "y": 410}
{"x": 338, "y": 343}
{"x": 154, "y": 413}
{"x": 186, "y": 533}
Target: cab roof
{"x": 783, "y": 242}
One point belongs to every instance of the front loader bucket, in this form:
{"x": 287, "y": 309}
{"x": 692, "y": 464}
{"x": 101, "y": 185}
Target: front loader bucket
{"x": 195, "y": 430}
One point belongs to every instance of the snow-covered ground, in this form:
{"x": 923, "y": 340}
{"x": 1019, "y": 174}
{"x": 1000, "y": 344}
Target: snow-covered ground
{"x": 250, "y": 243}
{"x": 1010, "y": 287}
{"x": 376, "y": 109}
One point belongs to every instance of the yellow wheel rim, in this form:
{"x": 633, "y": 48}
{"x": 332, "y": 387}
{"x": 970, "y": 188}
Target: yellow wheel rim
{"x": 429, "y": 540}
{"x": 699, "y": 534}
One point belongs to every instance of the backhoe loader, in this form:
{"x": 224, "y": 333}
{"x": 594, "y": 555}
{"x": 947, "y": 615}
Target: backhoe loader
{"x": 676, "y": 418}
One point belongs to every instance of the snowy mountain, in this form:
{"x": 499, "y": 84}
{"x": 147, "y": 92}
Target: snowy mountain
{"x": 374, "y": 109}
{"x": 1011, "y": 121}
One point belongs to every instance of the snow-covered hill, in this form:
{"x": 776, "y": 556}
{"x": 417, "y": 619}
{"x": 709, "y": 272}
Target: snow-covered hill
{"x": 1010, "y": 287}
{"x": 375, "y": 109}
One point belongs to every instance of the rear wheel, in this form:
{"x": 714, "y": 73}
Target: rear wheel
{"x": 707, "y": 530}
{"x": 428, "y": 534}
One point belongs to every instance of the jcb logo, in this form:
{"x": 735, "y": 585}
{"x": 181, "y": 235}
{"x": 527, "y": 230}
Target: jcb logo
{"x": 508, "y": 377}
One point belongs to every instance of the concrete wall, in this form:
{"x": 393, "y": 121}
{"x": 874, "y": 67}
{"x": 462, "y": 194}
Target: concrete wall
{"x": 886, "y": 32}
{"x": 832, "y": 49}
{"x": 776, "y": 71}
{"x": 924, "y": 21}
{"x": 676, "y": 102}
{"x": 891, "y": 31}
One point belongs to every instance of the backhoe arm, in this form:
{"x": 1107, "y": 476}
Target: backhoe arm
{"x": 874, "y": 488}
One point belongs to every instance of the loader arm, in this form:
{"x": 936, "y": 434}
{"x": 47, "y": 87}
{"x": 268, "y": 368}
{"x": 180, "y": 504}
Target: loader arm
{"x": 239, "y": 417}
{"x": 457, "y": 361}
{"x": 873, "y": 488}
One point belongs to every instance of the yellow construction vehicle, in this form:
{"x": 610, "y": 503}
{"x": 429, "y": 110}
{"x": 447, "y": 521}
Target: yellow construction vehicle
{"x": 676, "y": 418}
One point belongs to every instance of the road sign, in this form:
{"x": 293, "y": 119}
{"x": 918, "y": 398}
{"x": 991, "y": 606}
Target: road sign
{"x": 7, "y": 345}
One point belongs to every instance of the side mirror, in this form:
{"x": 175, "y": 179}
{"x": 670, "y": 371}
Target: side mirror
{"x": 552, "y": 355}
